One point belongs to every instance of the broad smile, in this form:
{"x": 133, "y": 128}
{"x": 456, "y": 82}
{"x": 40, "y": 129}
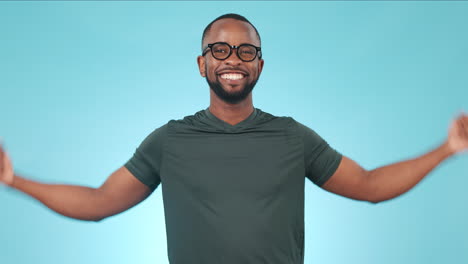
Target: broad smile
{"x": 232, "y": 76}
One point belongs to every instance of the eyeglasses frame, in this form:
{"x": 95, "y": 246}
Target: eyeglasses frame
{"x": 231, "y": 47}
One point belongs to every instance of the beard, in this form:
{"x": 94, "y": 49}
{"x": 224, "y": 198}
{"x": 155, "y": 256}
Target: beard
{"x": 231, "y": 97}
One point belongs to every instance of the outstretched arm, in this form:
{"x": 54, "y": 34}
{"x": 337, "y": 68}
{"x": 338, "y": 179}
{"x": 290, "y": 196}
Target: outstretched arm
{"x": 118, "y": 193}
{"x": 387, "y": 182}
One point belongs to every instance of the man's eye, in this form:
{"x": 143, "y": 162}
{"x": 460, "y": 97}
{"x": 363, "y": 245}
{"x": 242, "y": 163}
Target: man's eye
{"x": 220, "y": 51}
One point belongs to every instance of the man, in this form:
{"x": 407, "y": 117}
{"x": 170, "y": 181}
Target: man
{"x": 232, "y": 176}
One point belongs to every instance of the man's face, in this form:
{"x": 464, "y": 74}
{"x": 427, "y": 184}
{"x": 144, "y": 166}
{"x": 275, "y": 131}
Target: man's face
{"x": 222, "y": 75}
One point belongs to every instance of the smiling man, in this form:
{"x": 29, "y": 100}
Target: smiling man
{"x": 229, "y": 78}
{"x": 233, "y": 176}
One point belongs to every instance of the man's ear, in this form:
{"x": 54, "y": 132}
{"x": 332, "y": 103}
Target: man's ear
{"x": 201, "y": 65}
{"x": 260, "y": 66}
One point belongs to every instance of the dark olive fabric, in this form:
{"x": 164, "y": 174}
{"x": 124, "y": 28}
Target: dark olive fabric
{"x": 234, "y": 194}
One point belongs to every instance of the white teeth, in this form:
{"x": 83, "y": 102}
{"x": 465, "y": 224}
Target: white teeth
{"x": 232, "y": 76}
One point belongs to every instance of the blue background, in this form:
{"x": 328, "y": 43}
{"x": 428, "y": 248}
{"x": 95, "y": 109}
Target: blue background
{"x": 83, "y": 83}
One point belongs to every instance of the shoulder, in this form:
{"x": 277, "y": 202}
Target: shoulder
{"x": 188, "y": 120}
{"x": 155, "y": 138}
{"x": 276, "y": 121}
{"x": 159, "y": 132}
{"x": 198, "y": 120}
{"x": 308, "y": 135}
{"x": 303, "y": 129}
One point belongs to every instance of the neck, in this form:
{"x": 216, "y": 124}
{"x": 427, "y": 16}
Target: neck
{"x": 230, "y": 113}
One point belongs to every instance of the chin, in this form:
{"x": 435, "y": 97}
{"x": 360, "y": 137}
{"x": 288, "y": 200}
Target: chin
{"x": 234, "y": 90}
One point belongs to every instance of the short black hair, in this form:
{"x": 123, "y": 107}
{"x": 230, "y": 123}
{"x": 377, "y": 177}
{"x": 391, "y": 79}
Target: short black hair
{"x": 233, "y": 16}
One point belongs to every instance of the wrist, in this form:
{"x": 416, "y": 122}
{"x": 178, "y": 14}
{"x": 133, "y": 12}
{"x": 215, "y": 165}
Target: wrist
{"x": 12, "y": 182}
{"x": 448, "y": 149}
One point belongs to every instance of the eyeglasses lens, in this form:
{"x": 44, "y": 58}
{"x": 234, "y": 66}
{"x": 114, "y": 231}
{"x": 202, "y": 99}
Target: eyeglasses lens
{"x": 221, "y": 51}
{"x": 247, "y": 52}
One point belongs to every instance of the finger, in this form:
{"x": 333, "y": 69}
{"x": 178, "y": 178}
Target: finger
{"x": 7, "y": 171}
{"x": 462, "y": 115}
{"x": 2, "y": 157}
{"x": 463, "y": 128}
{"x": 457, "y": 128}
{"x": 464, "y": 125}
{"x": 3, "y": 160}
{"x": 1, "y": 146}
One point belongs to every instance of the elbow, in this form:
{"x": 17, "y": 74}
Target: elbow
{"x": 374, "y": 201}
{"x": 377, "y": 191}
{"x": 98, "y": 218}
{"x": 85, "y": 218}
{"x": 89, "y": 218}
{"x": 376, "y": 197}
{"x": 372, "y": 192}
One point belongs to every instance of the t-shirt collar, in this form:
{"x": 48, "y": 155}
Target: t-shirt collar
{"x": 225, "y": 125}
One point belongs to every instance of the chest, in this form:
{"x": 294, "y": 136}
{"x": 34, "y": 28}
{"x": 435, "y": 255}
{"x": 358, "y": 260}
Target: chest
{"x": 232, "y": 165}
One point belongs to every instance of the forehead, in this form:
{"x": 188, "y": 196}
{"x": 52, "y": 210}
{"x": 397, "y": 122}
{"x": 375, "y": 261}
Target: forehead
{"x": 232, "y": 31}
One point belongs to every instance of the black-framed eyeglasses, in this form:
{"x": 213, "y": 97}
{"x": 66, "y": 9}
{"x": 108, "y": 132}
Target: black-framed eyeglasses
{"x": 222, "y": 51}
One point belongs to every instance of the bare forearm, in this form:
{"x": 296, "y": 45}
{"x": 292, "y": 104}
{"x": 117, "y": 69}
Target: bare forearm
{"x": 393, "y": 180}
{"x": 69, "y": 200}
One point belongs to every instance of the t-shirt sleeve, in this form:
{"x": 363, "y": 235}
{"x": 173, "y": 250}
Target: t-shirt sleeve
{"x": 145, "y": 164}
{"x": 320, "y": 160}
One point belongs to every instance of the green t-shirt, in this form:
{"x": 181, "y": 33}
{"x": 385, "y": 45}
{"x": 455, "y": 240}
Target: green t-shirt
{"x": 234, "y": 194}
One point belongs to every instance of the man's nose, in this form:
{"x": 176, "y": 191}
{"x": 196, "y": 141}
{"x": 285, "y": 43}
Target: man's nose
{"x": 233, "y": 59}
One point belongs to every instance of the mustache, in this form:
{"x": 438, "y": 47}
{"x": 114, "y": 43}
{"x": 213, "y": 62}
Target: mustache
{"x": 233, "y": 69}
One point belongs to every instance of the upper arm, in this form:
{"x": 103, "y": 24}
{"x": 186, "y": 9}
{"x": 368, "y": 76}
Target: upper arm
{"x": 349, "y": 180}
{"x": 120, "y": 192}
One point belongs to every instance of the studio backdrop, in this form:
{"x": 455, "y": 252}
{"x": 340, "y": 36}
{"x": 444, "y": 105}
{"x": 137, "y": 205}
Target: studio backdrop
{"x": 83, "y": 83}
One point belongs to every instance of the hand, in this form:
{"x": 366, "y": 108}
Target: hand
{"x": 6, "y": 168}
{"x": 458, "y": 134}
